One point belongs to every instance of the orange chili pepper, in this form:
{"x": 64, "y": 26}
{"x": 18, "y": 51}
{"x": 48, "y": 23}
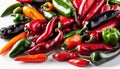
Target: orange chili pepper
{"x": 32, "y": 58}
{"x": 47, "y": 6}
{"x": 10, "y": 44}
{"x": 72, "y": 41}
{"x": 32, "y": 13}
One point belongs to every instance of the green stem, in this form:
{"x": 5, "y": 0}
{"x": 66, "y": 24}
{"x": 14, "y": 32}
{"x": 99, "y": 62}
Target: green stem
{"x": 107, "y": 2}
{"x": 92, "y": 38}
{"x": 85, "y": 57}
{"x": 83, "y": 29}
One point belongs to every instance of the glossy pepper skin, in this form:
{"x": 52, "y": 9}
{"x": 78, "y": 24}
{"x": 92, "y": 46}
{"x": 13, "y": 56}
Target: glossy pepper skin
{"x": 37, "y": 58}
{"x": 48, "y": 31}
{"x": 18, "y": 18}
{"x": 72, "y": 41}
{"x": 35, "y": 26}
{"x": 87, "y": 49}
{"x": 20, "y": 47}
{"x": 96, "y": 34}
{"x": 45, "y": 47}
{"x": 47, "y": 6}
{"x": 32, "y": 13}
{"x": 79, "y": 62}
{"x": 66, "y": 9}
{"x": 11, "y": 31}
{"x": 64, "y": 56}
{"x": 76, "y": 3}
{"x": 101, "y": 18}
{"x": 98, "y": 58}
{"x": 111, "y": 36}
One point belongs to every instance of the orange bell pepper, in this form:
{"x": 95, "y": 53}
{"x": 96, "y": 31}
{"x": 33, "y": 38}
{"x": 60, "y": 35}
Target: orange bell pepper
{"x": 32, "y": 12}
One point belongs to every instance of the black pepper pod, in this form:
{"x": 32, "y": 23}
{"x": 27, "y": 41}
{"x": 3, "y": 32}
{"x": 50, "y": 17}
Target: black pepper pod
{"x": 100, "y": 19}
{"x": 11, "y": 31}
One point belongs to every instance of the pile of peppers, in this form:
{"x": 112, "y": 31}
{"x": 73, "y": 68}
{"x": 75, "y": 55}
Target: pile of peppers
{"x": 80, "y": 32}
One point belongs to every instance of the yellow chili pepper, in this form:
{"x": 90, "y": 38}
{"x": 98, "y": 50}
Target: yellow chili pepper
{"x": 32, "y": 12}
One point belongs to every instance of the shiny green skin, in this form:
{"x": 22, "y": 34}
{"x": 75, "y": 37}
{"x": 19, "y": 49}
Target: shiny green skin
{"x": 20, "y": 47}
{"x": 111, "y": 36}
{"x": 49, "y": 15}
{"x": 18, "y": 18}
{"x": 10, "y": 9}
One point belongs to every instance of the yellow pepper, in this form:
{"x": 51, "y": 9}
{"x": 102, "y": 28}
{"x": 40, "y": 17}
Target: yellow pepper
{"x": 32, "y": 12}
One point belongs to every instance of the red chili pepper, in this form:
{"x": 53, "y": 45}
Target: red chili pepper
{"x": 76, "y": 3}
{"x": 35, "y": 26}
{"x": 79, "y": 62}
{"x": 37, "y": 58}
{"x": 105, "y": 7}
{"x": 116, "y": 7}
{"x": 95, "y": 35}
{"x": 67, "y": 30}
{"x": 65, "y": 22}
{"x": 48, "y": 30}
{"x": 45, "y": 47}
{"x": 25, "y": 1}
{"x": 63, "y": 56}
{"x": 93, "y": 10}
{"x": 87, "y": 49}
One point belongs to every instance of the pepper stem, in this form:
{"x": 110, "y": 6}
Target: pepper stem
{"x": 60, "y": 25}
{"x": 85, "y": 57}
{"x": 107, "y": 2}
{"x": 91, "y": 39}
{"x": 73, "y": 50}
{"x": 49, "y": 54}
{"x": 83, "y": 29}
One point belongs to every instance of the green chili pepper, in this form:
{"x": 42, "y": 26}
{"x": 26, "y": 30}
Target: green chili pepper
{"x": 20, "y": 47}
{"x": 49, "y": 14}
{"x": 17, "y": 10}
{"x": 62, "y": 8}
{"x": 18, "y": 18}
{"x": 111, "y": 36}
{"x": 113, "y": 2}
{"x": 98, "y": 58}
{"x": 10, "y": 9}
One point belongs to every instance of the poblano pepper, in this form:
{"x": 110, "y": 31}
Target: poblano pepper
{"x": 111, "y": 36}
{"x": 20, "y": 47}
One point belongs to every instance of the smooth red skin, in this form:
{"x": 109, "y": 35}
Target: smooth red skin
{"x": 96, "y": 7}
{"x": 87, "y": 49}
{"x": 66, "y": 30}
{"x": 76, "y": 3}
{"x": 79, "y": 62}
{"x": 116, "y": 7}
{"x": 48, "y": 31}
{"x": 45, "y": 47}
{"x": 105, "y": 8}
{"x": 97, "y": 33}
{"x": 63, "y": 56}
{"x": 25, "y": 1}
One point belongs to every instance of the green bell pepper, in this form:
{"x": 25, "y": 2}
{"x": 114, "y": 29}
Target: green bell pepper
{"x": 18, "y": 18}
{"x": 20, "y": 47}
{"x": 62, "y": 8}
{"x": 49, "y": 14}
{"x": 98, "y": 58}
{"x": 10, "y": 9}
{"x": 111, "y": 36}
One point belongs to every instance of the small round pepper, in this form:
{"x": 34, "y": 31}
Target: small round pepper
{"x": 47, "y": 6}
{"x": 18, "y": 18}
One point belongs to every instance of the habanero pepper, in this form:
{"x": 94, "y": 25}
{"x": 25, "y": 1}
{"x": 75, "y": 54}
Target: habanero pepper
{"x": 64, "y": 56}
{"x": 96, "y": 34}
{"x": 30, "y": 1}
{"x": 87, "y": 49}
{"x": 111, "y": 36}
{"x": 98, "y": 58}
{"x": 31, "y": 12}
{"x": 20, "y": 47}
{"x": 37, "y": 58}
{"x": 93, "y": 10}
{"x": 48, "y": 30}
{"x": 48, "y": 6}
{"x": 79, "y": 62}
{"x": 45, "y": 47}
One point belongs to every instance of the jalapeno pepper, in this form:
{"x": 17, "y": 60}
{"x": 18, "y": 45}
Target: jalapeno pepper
{"x": 20, "y": 47}
{"x": 18, "y": 18}
{"x": 111, "y": 36}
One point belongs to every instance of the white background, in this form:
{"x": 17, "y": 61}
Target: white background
{"x": 8, "y": 63}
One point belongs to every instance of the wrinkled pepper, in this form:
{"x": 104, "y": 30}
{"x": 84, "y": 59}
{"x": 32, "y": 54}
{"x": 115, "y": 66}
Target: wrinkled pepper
{"x": 32, "y": 13}
{"x": 47, "y": 46}
{"x": 10, "y": 9}
{"x": 48, "y": 6}
{"x": 111, "y": 36}
{"x": 98, "y": 58}
{"x": 20, "y": 47}
{"x": 10, "y": 44}
{"x": 37, "y": 58}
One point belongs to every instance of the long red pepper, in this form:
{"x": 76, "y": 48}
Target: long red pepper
{"x": 95, "y": 35}
{"x": 32, "y": 58}
{"x": 48, "y": 30}
{"x": 76, "y": 3}
{"x": 25, "y": 1}
{"x": 93, "y": 10}
{"x": 87, "y": 49}
{"x": 63, "y": 56}
{"x": 45, "y": 47}
{"x": 79, "y": 62}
